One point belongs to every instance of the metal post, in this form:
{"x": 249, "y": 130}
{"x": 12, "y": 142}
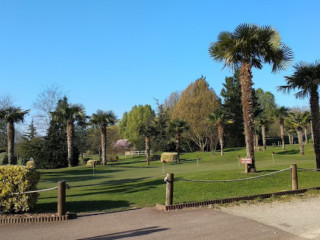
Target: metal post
{"x": 169, "y": 189}
{"x": 61, "y": 198}
{"x": 294, "y": 177}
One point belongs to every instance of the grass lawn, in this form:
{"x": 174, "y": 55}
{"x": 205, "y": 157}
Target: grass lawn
{"x": 129, "y": 183}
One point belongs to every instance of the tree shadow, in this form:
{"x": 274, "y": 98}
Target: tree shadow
{"x": 288, "y": 152}
{"x": 83, "y": 206}
{"x": 128, "y": 234}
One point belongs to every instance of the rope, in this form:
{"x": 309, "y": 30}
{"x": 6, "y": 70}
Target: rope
{"x": 306, "y": 169}
{"x": 35, "y": 191}
{"x": 233, "y": 180}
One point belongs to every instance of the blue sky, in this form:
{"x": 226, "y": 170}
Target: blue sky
{"x": 113, "y": 54}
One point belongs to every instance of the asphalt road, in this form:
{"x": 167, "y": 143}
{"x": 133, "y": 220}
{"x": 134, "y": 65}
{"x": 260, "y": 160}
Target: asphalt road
{"x": 149, "y": 223}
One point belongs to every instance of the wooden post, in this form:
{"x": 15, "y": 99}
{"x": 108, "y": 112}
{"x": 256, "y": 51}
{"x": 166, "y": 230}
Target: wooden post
{"x": 169, "y": 189}
{"x": 294, "y": 176}
{"x": 61, "y": 198}
{"x": 246, "y": 170}
{"x": 239, "y": 160}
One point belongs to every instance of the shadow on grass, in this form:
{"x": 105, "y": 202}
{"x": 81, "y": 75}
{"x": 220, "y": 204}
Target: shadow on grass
{"x": 78, "y": 175}
{"x": 83, "y": 206}
{"x": 288, "y": 152}
{"x": 128, "y": 234}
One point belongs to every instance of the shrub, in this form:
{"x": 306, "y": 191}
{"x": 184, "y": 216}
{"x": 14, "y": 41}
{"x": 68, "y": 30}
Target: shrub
{"x": 17, "y": 179}
{"x": 112, "y": 158}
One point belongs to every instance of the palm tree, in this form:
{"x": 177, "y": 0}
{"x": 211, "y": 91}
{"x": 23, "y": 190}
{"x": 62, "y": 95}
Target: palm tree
{"x": 11, "y": 116}
{"x": 250, "y": 46}
{"x": 298, "y": 120}
{"x": 178, "y": 126}
{"x": 263, "y": 121}
{"x": 281, "y": 113}
{"x": 69, "y": 114}
{"x": 306, "y": 79}
{"x": 103, "y": 120}
{"x": 220, "y": 119}
{"x": 147, "y": 131}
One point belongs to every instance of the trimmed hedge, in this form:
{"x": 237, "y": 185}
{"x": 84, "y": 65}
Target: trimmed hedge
{"x": 17, "y": 179}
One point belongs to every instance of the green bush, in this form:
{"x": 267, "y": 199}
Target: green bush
{"x": 17, "y": 179}
{"x": 112, "y": 158}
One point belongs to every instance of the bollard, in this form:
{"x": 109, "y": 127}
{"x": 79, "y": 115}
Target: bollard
{"x": 294, "y": 177}
{"x": 169, "y": 189}
{"x": 61, "y": 198}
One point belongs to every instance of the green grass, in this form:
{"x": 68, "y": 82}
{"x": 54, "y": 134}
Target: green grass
{"x": 129, "y": 183}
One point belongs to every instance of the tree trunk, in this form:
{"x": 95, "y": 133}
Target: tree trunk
{"x": 264, "y": 141}
{"x": 312, "y": 135}
{"x": 178, "y": 146}
{"x": 305, "y": 135}
{"x": 104, "y": 144}
{"x": 256, "y": 140}
{"x": 70, "y": 142}
{"x": 221, "y": 133}
{"x": 282, "y": 133}
{"x": 315, "y": 119}
{"x": 247, "y": 109}
{"x": 10, "y": 133}
{"x": 300, "y": 139}
{"x": 148, "y": 150}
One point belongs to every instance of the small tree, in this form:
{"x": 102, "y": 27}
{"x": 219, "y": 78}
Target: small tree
{"x": 178, "y": 126}
{"x": 281, "y": 113}
{"x": 219, "y": 118}
{"x": 147, "y": 131}
{"x": 103, "y": 119}
{"x": 12, "y": 115}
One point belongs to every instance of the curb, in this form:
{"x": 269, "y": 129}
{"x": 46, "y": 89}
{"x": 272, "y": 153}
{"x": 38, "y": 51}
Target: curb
{"x": 230, "y": 200}
{"x": 11, "y": 219}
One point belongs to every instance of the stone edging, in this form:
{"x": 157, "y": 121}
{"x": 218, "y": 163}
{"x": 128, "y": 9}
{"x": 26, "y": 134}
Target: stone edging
{"x": 230, "y": 200}
{"x": 36, "y": 218}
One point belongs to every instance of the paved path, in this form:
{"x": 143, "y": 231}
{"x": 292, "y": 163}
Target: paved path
{"x": 149, "y": 223}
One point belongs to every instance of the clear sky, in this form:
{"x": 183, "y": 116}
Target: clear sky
{"x": 113, "y": 54}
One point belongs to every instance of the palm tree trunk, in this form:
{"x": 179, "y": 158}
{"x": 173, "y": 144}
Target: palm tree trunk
{"x": 256, "y": 140}
{"x": 221, "y": 133}
{"x": 300, "y": 139}
{"x": 282, "y": 133}
{"x": 315, "y": 119}
{"x": 70, "y": 142}
{"x": 305, "y": 135}
{"x": 312, "y": 135}
{"x": 178, "y": 146}
{"x": 263, "y": 132}
{"x": 148, "y": 150}
{"x": 104, "y": 144}
{"x": 10, "y": 135}
{"x": 247, "y": 109}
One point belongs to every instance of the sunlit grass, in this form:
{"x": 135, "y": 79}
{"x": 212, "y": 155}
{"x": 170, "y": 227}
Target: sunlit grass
{"x": 129, "y": 183}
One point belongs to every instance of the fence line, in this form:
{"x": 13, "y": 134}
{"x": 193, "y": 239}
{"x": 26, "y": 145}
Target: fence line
{"x": 233, "y": 180}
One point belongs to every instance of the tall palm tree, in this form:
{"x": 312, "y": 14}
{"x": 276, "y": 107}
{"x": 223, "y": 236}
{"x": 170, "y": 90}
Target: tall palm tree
{"x": 178, "y": 126}
{"x": 147, "y": 131}
{"x": 220, "y": 119}
{"x": 11, "y": 116}
{"x": 281, "y": 113}
{"x": 298, "y": 120}
{"x": 103, "y": 119}
{"x": 69, "y": 114}
{"x": 250, "y": 46}
{"x": 306, "y": 79}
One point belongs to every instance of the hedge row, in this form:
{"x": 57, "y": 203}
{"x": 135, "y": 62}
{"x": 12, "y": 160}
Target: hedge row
{"x": 17, "y": 179}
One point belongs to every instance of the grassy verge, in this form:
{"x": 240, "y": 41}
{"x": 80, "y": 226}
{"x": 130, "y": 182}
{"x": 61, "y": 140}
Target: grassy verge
{"x": 129, "y": 183}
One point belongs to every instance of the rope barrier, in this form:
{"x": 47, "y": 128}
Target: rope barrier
{"x": 35, "y": 191}
{"x": 233, "y": 180}
{"x": 307, "y": 169}
{"x": 41, "y": 190}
